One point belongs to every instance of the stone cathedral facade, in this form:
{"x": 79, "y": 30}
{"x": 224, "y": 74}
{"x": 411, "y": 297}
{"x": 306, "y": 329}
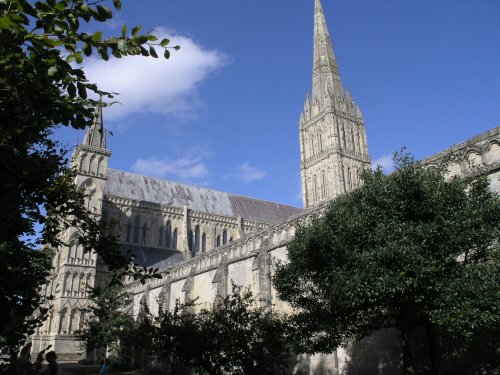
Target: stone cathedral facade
{"x": 202, "y": 239}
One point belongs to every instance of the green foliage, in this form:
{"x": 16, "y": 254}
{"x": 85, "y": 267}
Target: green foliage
{"x": 234, "y": 337}
{"x": 407, "y": 249}
{"x": 106, "y": 319}
{"x": 42, "y": 86}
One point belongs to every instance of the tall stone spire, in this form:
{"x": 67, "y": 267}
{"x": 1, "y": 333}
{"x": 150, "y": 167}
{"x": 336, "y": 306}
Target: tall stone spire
{"x": 333, "y": 147}
{"x": 96, "y": 134}
{"x": 91, "y": 157}
{"x": 326, "y": 77}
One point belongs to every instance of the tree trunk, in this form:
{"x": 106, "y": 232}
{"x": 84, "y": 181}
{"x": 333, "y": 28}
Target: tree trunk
{"x": 406, "y": 352}
{"x": 430, "y": 350}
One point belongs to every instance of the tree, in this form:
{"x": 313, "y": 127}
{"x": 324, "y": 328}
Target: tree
{"x": 42, "y": 86}
{"x": 234, "y": 337}
{"x": 405, "y": 250}
{"x": 106, "y": 319}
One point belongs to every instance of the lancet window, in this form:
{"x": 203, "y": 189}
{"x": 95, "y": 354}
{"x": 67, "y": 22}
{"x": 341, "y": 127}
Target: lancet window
{"x": 174, "y": 239}
{"x": 137, "y": 225}
{"x": 168, "y": 235}
{"x": 224, "y": 237}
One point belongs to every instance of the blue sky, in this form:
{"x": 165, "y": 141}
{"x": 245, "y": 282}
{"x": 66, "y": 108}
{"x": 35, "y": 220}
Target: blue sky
{"x": 223, "y": 111}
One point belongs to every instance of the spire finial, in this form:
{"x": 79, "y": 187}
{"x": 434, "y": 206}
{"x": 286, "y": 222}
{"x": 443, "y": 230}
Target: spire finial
{"x": 325, "y": 69}
{"x": 96, "y": 134}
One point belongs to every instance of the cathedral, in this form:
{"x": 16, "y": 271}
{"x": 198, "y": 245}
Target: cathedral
{"x": 201, "y": 239}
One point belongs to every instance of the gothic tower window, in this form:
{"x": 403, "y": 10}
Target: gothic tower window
{"x": 224, "y": 237}
{"x": 324, "y": 191}
{"x": 190, "y": 241}
{"x": 174, "y": 239}
{"x": 218, "y": 240}
{"x": 160, "y": 236}
{"x": 315, "y": 189}
{"x": 168, "y": 234}
{"x": 137, "y": 226}
{"x": 204, "y": 243}
{"x": 197, "y": 240}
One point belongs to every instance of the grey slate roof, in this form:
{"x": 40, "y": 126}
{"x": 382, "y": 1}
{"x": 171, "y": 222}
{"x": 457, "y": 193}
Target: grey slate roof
{"x": 148, "y": 189}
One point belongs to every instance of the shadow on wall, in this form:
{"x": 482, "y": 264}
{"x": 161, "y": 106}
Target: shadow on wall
{"x": 377, "y": 354}
{"x": 479, "y": 356}
{"x": 380, "y": 354}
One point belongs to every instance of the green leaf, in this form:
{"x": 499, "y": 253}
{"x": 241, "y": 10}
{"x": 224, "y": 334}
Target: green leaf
{"x": 78, "y": 57}
{"x": 152, "y": 38}
{"x": 124, "y": 31}
{"x": 152, "y": 52}
{"x": 103, "y": 52}
{"x": 52, "y": 70}
{"x": 97, "y": 36}
{"x": 82, "y": 91}
{"x": 105, "y": 11}
{"x": 135, "y": 30}
{"x": 166, "y": 54}
{"x": 117, "y": 4}
{"x": 87, "y": 49}
{"x": 177, "y": 48}
{"x": 71, "y": 90}
{"x": 164, "y": 42}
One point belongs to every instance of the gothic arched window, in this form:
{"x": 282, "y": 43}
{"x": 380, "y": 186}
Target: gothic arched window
{"x": 323, "y": 185}
{"x": 315, "y": 189}
{"x": 168, "y": 234}
{"x": 197, "y": 240}
{"x": 203, "y": 243}
{"x": 160, "y": 236}
{"x": 174, "y": 239}
{"x": 137, "y": 225}
{"x": 218, "y": 240}
{"x": 190, "y": 241}
{"x": 224, "y": 237}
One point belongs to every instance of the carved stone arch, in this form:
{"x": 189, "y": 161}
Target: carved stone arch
{"x": 93, "y": 195}
{"x": 453, "y": 169}
{"x": 92, "y": 164}
{"x": 73, "y": 243}
{"x": 84, "y": 162}
{"x": 100, "y": 166}
{"x": 473, "y": 158}
{"x": 491, "y": 153}
{"x": 283, "y": 235}
{"x": 63, "y": 320}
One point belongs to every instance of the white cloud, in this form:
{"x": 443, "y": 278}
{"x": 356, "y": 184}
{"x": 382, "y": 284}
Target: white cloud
{"x": 385, "y": 161}
{"x": 245, "y": 172}
{"x": 145, "y": 84}
{"x": 181, "y": 169}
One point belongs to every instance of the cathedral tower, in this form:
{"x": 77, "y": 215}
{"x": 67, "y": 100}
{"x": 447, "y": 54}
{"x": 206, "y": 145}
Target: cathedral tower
{"x": 333, "y": 147}
{"x": 74, "y": 270}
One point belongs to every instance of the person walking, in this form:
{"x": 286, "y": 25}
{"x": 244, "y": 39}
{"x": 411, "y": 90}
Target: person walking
{"x": 103, "y": 370}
